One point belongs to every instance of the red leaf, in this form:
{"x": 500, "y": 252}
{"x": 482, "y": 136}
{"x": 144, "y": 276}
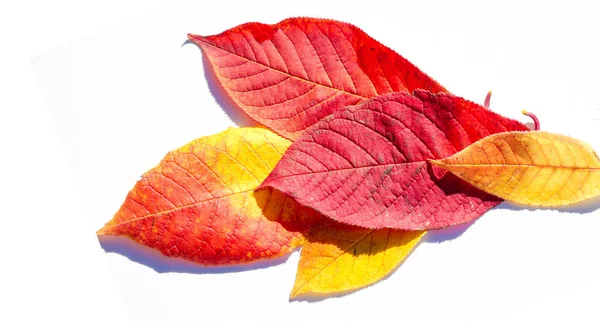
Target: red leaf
{"x": 289, "y": 75}
{"x": 366, "y": 165}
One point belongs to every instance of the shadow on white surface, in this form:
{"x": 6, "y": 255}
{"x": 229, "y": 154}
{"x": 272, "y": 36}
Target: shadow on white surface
{"x": 163, "y": 264}
{"x": 453, "y": 232}
{"x": 235, "y": 113}
{"x": 585, "y": 207}
{"x": 447, "y": 233}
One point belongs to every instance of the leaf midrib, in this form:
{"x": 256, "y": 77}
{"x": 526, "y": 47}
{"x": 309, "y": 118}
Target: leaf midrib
{"x": 160, "y": 213}
{"x": 354, "y": 168}
{"x": 442, "y": 164}
{"x": 521, "y": 165}
{"x": 285, "y": 73}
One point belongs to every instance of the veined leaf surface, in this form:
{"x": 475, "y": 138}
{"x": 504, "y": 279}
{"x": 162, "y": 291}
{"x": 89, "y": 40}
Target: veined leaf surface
{"x": 367, "y": 165}
{"x": 289, "y": 75}
{"x": 340, "y": 258}
{"x": 533, "y": 168}
{"x": 199, "y": 203}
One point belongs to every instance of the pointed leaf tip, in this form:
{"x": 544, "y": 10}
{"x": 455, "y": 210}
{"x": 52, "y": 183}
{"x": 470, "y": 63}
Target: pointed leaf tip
{"x": 105, "y": 230}
{"x": 101, "y": 231}
{"x": 195, "y": 38}
{"x": 435, "y": 162}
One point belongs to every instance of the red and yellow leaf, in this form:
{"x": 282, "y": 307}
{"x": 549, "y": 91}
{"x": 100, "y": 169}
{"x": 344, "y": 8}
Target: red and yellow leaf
{"x": 340, "y": 258}
{"x": 367, "y": 165}
{"x": 199, "y": 202}
{"x": 289, "y": 75}
{"x": 533, "y": 168}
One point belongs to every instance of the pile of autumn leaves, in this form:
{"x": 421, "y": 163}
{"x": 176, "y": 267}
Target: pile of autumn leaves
{"x": 361, "y": 153}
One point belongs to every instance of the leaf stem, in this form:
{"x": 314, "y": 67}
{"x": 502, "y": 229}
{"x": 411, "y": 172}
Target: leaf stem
{"x": 536, "y": 122}
{"x": 486, "y": 101}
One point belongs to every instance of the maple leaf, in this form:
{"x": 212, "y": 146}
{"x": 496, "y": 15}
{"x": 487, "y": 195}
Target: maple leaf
{"x": 367, "y": 165}
{"x": 339, "y": 258}
{"x": 199, "y": 202}
{"x": 533, "y": 168}
{"x": 289, "y": 75}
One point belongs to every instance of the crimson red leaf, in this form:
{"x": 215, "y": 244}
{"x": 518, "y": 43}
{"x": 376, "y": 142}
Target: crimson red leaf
{"x": 367, "y": 165}
{"x": 289, "y": 75}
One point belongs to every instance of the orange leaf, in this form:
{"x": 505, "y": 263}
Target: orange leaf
{"x": 199, "y": 202}
{"x": 340, "y": 258}
{"x": 533, "y": 168}
{"x": 289, "y": 75}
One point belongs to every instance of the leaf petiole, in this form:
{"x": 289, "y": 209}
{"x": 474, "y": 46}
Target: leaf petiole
{"x": 536, "y": 122}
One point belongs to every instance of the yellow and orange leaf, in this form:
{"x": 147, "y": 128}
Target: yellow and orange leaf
{"x": 339, "y": 258}
{"x": 199, "y": 202}
{"x": 533, "y": 168}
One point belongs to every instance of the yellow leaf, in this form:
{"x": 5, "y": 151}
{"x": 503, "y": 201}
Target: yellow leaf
{"x": 533, "y": 168}
{"x": 339, "y": 258}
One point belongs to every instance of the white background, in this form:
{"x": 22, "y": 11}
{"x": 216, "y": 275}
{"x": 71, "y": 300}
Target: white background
{"x": 93, "y": 94}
